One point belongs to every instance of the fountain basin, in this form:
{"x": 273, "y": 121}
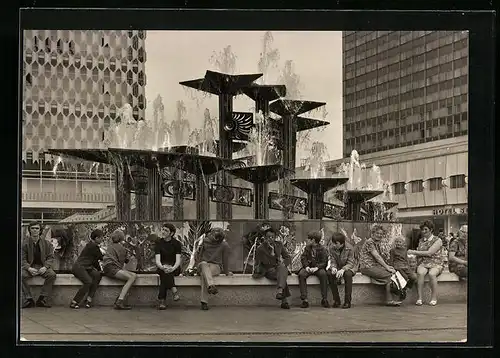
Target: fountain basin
{"x": 261, "y": 174}
{"x": 178, "y": 157}
{"x": 357, "y": 196}
{"x": 309, "y": 185}
{"x": 315, "y": 189}
{"x": 265, "y": 92}
{"x": 221, "y": 83}
{"x": 286, "y": 107}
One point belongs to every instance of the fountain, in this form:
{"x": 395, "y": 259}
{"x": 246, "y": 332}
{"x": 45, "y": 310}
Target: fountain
{"x": 225, "y": 87}
{"x": 355, "y": 194}
{"x": 262, "y": 142}
{"x": 318, "y": 183}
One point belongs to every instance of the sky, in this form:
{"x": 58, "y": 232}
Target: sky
{"x": 175, "y": 56}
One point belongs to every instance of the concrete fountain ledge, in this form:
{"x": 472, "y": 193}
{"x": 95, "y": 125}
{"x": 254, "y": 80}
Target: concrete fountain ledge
{"x": 238, "y": 290}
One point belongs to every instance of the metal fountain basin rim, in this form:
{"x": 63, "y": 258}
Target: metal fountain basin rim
{"x": 310, "y": 184}
{"x": 193, "y": 163}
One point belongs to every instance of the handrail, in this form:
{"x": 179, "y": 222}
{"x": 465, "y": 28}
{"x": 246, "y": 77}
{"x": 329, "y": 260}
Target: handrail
{"x": 68, "y": 196}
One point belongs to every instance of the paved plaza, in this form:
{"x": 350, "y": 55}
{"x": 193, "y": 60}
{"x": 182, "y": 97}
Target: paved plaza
{"x": 369, "y": 323}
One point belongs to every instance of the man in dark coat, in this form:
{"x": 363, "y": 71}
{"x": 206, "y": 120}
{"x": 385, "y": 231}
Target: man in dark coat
{"x": 272, "y": 259}
{"x": 37, "y": 259}
{"x": 314, "y": 260}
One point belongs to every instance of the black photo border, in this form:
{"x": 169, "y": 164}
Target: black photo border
{"x": 481, "y": 27}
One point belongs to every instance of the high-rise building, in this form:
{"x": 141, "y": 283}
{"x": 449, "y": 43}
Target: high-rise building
{"x": 74, "y": 82}
{"x": 403, "y": 88}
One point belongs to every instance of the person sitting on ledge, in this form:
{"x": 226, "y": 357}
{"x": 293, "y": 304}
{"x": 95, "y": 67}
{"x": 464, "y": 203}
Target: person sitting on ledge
{"x": 314, "y": 260}
{"x": 115, "y": 258}
{"x": 429, "y": 260}
{"x": 399, "y": 260}
{"x": 168, "y": 262}
{"x": 341, "y": 263}
{"x": 268, "y": 263}
{"x": 457, "y": 259}
{"x": 212, "y": 258}
{"x": 86, "y": 268}
{"x": 373, "y": 265}
{"x": 37, "y": 258}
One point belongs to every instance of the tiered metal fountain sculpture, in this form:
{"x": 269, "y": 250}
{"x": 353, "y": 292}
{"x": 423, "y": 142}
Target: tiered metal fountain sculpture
{"x": 355, "y": 195}
{"x": 318, "y": 183}
{"x": 225, "y": 86}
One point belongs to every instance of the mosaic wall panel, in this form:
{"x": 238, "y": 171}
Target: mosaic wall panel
{"x": 74, "y": 82}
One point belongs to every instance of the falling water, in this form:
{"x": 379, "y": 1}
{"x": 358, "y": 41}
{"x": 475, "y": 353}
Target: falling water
{"x": 260, "y": 140}
{"x": 315, "y": 163}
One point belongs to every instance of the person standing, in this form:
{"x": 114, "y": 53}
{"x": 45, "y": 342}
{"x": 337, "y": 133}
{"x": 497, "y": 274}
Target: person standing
{"x": 314, "y": 260}
{"x": 168, "y": 252}
{"x": 341, "y": 265}
{"x": 457, "y": 259}
{"x": 113, "y": 266}
{"x": 212, "y": 258}
{"x": 86, "y": 268}
{"x": 37, "y": 259}
{"x": 272, "y": 261}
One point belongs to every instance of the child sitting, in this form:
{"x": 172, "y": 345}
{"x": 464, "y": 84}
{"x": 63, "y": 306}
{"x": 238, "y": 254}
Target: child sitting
{"x": 399, "y": 260}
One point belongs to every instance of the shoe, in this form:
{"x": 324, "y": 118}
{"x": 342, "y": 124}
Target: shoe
{"x": 346, "y": 305}
{"x": 304, "y": 304}
{"x": 393, "y": 304}
{"x": 42, "y": 302}
{"x": 88, "y": 304}
{"x": 419, "y": 303}
{"x": 325, "y": 304}
{"x": 74, "y": 305}
{"x": 119, "y": 305}
{"x": 29, "y": 303}
{"x": 204, "y": 306}
{"x": 336, "y": 304}
{"x": 285, "y": 305}
{"x": 280, "y": 295}
{"x": 176, "y": 297}
{"x": 212, "y": 290}
{"x": 433, "y": 303}
{"x": 162, "y": 306}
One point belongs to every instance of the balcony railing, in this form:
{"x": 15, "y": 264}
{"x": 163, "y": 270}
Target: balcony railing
{"x": 78, "y": 197}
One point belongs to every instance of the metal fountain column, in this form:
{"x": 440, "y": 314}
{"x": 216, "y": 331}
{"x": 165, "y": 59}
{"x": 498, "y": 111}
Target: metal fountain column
{"x": 225, "y": 86}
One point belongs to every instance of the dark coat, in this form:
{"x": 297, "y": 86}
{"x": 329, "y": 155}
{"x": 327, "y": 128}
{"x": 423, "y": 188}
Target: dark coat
{"x": 46, "y": 253}
{"x": 314, "y": 256}
{"x": 343, "y": 259}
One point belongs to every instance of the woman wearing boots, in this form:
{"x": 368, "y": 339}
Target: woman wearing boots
{"x": 113, "y": 262}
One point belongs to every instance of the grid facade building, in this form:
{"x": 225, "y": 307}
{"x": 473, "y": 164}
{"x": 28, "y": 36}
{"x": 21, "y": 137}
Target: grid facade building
{"x": 74, "y": 82}
{"x": 403, "y": 88}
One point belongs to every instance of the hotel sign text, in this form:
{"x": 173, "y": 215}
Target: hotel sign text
{"x": 450, "y": 211}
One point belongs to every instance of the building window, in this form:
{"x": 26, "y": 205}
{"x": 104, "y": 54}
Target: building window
{"x": 399, "y": 188}
{"x": 457, "y": 181}
{"x": 435, "y": 184}
{"x": 417, "y": 186}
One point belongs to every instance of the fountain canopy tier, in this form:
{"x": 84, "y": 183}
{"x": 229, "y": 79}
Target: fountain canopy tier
{"x": 286, "y": 107}
{"x": 237, "y": 146}
{"x": 304, "y": 123}
{"x": 309, "y": 185}
{"x": 178, "y": 157}
{"x": 358, "y": 196}
{"x": 262, "y": 173}
{"x": 221, "y": 83}
{"x": 265, "y": 92}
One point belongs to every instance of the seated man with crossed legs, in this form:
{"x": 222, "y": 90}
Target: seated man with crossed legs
{"x": 212, "y": 258}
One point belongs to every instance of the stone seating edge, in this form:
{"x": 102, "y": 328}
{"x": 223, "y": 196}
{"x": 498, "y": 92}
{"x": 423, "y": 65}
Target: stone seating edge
{"x": 235, "y": 280}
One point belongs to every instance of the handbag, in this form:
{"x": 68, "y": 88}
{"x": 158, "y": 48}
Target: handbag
{"x": 398, "y": 285}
